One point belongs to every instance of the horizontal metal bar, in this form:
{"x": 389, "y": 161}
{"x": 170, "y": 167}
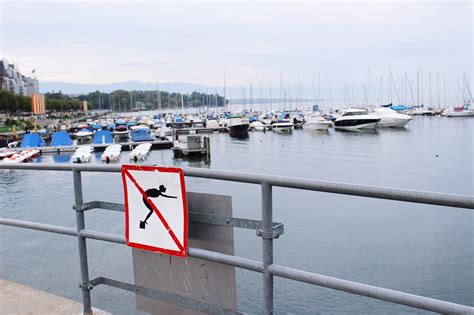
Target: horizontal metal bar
{"x": 371, "y": 291}
{"x": 164, "y": 296}
{"x": 114, "y": 238}
{"x": 39, "y": 226}
{"x": 433, "y": 198}
{"x": 235, "y": 261}
{"x": 278, "y": 228}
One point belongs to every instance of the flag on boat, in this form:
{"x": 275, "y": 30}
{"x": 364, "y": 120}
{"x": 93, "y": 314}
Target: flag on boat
{"x": 38, "y": 105}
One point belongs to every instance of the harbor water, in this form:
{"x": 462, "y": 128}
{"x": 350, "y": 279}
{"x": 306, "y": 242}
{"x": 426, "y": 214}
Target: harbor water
{"x": 419, "y": 249}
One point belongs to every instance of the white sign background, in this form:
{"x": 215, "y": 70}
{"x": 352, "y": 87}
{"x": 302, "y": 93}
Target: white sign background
{"x": 155, "y": 234}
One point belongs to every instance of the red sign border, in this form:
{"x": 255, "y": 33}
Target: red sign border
{"x": 127, "y": 167}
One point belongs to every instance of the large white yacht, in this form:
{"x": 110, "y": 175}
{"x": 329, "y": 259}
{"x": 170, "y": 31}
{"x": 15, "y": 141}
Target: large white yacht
{"x": 390, "y": 118}
{"x": 353, "y": 118}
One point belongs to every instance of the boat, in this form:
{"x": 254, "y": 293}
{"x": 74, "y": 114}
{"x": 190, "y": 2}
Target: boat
{"x": 121, "y": 133}
{"x": 390, "y": 118}
{"x": 6, "y": 153}
{"x": 102, "y": 137}
{"x": 462, "y": 111}
{"x": 213, "y": 124}
{"x": 140, "y": 152}
{"x": 317, "y": 122}
{"x": 22, "y": 156}
{"x": 32, "y": 140}
{"x": 61, "y": 138}
{"x": 140, "y": 133}
{"x": 162, "y": 130}
{"x": 257, "y": 125}
{"x": 238, "y": 127}
{"x": 84, "y": 136}
{"x": 111, "y": 153}
{"x": 83, "y": 154}
{"x": 353, "y": 119}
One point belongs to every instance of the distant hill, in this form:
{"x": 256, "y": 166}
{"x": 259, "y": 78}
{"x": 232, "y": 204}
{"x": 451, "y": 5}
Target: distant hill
{"x": 77, "y": 88}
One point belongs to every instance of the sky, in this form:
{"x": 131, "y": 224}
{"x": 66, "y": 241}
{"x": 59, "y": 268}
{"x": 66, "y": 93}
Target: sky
{"x": 345, "y": 42}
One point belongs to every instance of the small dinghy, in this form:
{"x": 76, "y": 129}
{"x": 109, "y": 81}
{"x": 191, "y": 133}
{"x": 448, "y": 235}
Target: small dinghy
{"x": 83, "y": 154}
{"x": 112, "y": 153}
{"x": 140, "y": 152}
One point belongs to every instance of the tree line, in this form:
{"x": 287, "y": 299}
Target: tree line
{"x": 118, "y": 101}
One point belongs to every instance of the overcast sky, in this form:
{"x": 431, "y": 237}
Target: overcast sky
{"x": 110, "y": 41}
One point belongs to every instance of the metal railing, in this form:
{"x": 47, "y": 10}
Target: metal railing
{"x": 266, "y": 229}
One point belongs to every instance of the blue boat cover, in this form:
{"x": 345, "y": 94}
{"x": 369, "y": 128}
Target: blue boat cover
{"x": 61, "y": 138}
{"x": 32, "y": 140}
{"x": 179, "y": 119}
{"x": 141, "y": 135}
{"x": 399, "y": 107}
{"x": 102, "y": 137}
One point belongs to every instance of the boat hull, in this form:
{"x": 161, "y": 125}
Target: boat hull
{"x": 239, "y": 131}
{"x": 356, "y": 124}
{"x": 460, "y": 114}
{"x": 393, "y": 122}
{"x": 317, "y": 125}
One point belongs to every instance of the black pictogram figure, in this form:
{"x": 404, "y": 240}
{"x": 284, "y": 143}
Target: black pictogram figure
{"x": 153, "y": 193}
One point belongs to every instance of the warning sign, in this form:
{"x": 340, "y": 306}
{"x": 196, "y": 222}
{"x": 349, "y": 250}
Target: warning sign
{"x": 156, "y": 211}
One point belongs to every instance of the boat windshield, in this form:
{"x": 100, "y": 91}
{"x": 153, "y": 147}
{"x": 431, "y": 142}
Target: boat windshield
{"x": 356, "y": 113}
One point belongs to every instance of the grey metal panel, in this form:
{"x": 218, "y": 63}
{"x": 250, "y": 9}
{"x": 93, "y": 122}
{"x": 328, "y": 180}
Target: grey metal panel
{"x": 194, "y": 278}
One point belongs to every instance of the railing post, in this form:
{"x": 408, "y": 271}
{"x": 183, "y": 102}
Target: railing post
{"x": 267, "y": 247}
{"x": 80, "y": 222}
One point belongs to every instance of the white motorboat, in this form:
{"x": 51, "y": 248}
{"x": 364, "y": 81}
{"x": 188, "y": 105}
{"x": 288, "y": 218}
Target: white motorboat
{"x": 257, "y": 126}
{"x": 213, "y": 124}
{"x": 317, "y": 122}
{"x": 22, "y": 156}
{"x": 84, "y": 136}
{"x": 140, "y": 152}
{"x": 111, "y": 153}
{"x": 353, "y": 119}
{"x": 162, "y": 131}
{"x": 83, "y": 154}
{"x": 462, "y": 111}
{"x": 282, "y": 125}
{"x": 390, "y": 118}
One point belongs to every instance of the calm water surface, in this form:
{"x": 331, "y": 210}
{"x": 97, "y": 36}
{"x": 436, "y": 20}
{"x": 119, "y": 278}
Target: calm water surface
{"x": 425, "y": 250}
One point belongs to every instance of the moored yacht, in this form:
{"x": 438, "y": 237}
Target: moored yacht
{"x": 353, "y": 119}
{"x": 238, "y": 127}
{"x": 317, "y": 122}
{"x": 390, "y": 118}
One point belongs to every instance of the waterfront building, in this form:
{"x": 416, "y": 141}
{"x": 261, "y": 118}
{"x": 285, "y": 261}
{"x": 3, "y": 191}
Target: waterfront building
{"x": 13, "y": 81}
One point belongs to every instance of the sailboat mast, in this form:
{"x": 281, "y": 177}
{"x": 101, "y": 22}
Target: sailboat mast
{"x": 437, "y": 83}
{"x": 417, "y": 87}
{"x": 429, "y": 86}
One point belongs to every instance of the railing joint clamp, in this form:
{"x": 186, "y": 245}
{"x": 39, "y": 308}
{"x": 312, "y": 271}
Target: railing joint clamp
{"x": 268, "y": 235}
{"x": 82, "y": 207}
{"x": 88, "y": 286}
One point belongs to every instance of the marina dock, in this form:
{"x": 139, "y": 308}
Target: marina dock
{"x": 126, "y": 146}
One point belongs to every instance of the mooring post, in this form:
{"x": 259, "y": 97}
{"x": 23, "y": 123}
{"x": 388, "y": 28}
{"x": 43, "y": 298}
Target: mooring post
{"x": 267, "y": 247}
{"x": 80, "y": 222}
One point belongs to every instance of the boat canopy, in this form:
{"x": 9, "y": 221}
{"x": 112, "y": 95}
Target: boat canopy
{"x": 141, "y": 134}
{"x": 399, "y": 107}
{"x": 102, "y": 137}
{"x": 61, "y": 138}
{"x": 284, "y": 115}
{"x": 84, "y": 130}
{"x": 32, "y": 140}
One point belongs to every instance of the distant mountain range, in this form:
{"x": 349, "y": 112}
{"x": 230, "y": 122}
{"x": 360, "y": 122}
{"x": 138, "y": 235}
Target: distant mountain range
{"x": 77, "y": 88}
